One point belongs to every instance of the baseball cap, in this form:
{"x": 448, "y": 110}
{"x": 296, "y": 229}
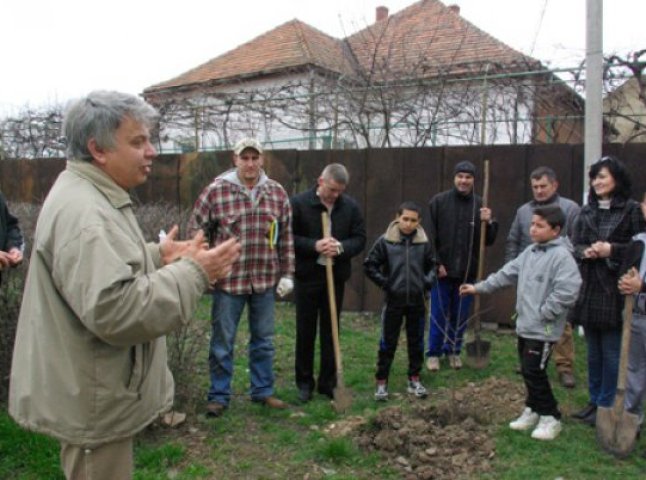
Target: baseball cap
{"x": 247, "y": 143}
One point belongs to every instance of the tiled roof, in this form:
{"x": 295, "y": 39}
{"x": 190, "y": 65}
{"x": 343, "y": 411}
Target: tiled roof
{"x": 426, "y": 38}
{"x": 293, "y": 44}
{"x": 421, "y": 40}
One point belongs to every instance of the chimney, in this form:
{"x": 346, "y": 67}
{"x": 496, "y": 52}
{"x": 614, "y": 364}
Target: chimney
{"x": 455, "y": 9}
{"x": 382, "y": 14}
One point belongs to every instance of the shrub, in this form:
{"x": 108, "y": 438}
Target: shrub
{"x": 184, "y": 344}
{"x": 187, "y": 344}
{"x": 13, "y": 282}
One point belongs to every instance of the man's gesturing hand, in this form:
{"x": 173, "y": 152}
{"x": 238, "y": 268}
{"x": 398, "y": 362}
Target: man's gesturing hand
{"x": 218, "y": 261}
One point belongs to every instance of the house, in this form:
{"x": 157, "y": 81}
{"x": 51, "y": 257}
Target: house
{"x": 423, "y": 76}
{"x": 624, "y": 110}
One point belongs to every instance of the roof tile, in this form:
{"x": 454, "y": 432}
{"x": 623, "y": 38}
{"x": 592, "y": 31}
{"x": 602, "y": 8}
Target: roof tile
{"x": 419, "y": 41}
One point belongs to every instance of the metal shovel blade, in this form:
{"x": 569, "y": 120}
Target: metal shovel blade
{"x": 342, "y": 399}
{"x": 617, "y": 430}
{"x": 478, "y": 354}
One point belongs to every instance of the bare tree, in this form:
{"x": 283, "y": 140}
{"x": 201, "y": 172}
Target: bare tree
{"x": 388, "y": 101}
{"x": 33, "y": 133}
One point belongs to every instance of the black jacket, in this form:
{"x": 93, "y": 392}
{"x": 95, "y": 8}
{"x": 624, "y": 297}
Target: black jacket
{"x": 455, "y": 232}
{"x": 600, "y": 304}
{"x": 10, "y": 235}
{"x": 347, "y": 227}
{"x": 402, "y": 265}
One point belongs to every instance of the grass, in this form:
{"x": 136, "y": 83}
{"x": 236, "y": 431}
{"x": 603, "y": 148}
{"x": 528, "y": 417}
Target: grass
{"x": 251, "y": 442}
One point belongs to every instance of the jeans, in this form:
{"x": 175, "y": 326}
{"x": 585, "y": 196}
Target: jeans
{"x": 225, "y": 317}
{"x": 603, "y": 364}
{"x": 636, "y": 376}
{"x": 449, "y": 316}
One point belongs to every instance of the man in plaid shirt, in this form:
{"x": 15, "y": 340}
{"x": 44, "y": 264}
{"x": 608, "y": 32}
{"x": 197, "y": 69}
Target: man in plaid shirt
{"x": 244, "y": 203}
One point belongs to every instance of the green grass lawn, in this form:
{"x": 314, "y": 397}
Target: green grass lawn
{"x": 251, "y": 442}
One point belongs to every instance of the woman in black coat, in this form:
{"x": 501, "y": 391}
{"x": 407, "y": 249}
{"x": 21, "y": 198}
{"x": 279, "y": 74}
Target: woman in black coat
{"x": 601, "y": 236}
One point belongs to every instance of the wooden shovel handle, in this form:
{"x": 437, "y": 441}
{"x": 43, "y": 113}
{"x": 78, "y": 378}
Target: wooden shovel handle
{"x": 325, "y": 221}
{"x": 481, "y": 249}
{"x": 625, "y": 344}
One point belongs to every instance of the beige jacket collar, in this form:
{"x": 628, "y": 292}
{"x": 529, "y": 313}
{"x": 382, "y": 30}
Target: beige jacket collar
{"x": 116, "y": 195}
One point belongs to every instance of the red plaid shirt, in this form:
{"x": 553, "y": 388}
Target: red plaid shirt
{"x": 261, "y": 262}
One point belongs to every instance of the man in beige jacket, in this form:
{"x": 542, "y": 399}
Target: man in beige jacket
{"x": 89, "y": 364}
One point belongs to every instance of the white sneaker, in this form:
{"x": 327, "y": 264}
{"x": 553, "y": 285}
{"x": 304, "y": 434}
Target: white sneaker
{"x": 433, "y": 364}
{"x": 455, "y": 362}
{"x": 381, "y": 393}
{"x": 526, "y": 420}
{"x": 548, "y": 428}
{"x": 416, "y": 388}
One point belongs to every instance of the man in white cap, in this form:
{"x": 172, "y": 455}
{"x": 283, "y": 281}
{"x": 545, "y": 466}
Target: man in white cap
{"x": 244, "y": 203}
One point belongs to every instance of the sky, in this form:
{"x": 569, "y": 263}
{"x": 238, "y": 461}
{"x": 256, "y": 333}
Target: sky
{"x": 54, "y": 50}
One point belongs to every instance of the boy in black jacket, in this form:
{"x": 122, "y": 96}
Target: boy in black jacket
{"x": 401, "y": 263}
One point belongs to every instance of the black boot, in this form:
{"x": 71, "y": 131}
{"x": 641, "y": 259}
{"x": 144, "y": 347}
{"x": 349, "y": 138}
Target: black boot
{"x": 589, "y": 409}
{"x": 591, "y": 419}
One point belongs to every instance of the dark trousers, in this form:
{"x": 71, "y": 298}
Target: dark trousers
{"x": 392, "y": 317}
{"x": 534, "y": 355}
{"x": 312, "y": 310}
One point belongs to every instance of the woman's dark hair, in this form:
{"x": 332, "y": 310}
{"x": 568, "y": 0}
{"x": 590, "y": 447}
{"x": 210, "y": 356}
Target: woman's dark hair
{"x": 619, "y": 172}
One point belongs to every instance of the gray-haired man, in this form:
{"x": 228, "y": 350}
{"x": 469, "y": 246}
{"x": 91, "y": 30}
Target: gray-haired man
{"x": 348, "y": 238}
{"x": 89, "y": 363}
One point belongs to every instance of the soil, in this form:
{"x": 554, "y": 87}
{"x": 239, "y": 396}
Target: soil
{"x": 448, "y": 440}
{"x": 447, "y": 436}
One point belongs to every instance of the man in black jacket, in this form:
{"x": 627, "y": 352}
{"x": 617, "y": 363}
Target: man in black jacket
{"x": 11, "y": 243}
{"x": 455, "y": 231}
{"x": 347, "y": 239}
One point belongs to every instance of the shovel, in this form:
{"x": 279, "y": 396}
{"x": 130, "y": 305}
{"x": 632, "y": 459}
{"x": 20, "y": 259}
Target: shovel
{"x": 617, "y": 428}
{"x": 342, "y": 396}
{"x": 478, "y": 350}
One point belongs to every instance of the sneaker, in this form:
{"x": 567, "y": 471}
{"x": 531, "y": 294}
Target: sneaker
{"x": 381, "y": 393}
{"x": 455, "y": 362}
{"x": 416, "y": 388}
{"x": 526, "y": 420}
{"x": 433, "y": 364}
{"x": 548, "y": 428}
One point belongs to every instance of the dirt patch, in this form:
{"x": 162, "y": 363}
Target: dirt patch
{"x": 452, "y": 439}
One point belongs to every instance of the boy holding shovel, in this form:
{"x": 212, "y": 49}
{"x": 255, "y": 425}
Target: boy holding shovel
{"x": 548, "y": 283}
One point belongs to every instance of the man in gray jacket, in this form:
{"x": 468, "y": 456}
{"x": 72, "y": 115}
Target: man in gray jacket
{"x": 89, "y": 363}
{"x": 545, "y": 192}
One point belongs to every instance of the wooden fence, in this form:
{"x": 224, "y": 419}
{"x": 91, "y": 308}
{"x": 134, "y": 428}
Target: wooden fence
{"x": 380, "y": 180}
